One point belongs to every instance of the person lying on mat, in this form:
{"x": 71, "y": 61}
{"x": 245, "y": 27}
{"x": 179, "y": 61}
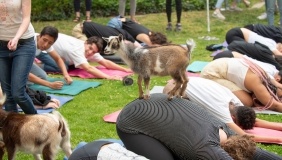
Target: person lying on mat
{"x": 274, "y": 75}
{"x": 268, "y": 31}
{"x": 76, "y": 54}
{"x": 225, "y": 106}
{"x": 44, "y": 41}
{"x": 86, "y": 30}
{"x": 254, "y": 50}
{"x": 243, "y": 34}
{"x": 246, "y": 80}
{"x": 177, "y": 129}
{"x": 138, "y": 31}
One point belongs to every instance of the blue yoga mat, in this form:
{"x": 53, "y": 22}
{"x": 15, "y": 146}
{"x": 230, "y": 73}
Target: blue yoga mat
{"x": 62, "y": 99}
{"x": 196, "y": 66}
{"x": 76, "y": 87}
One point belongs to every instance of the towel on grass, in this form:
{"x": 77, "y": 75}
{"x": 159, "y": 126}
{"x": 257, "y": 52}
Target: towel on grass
{"x": 196, "y": 66}
{"x": 76, "y": 87}
{"x": 83, "y": 74}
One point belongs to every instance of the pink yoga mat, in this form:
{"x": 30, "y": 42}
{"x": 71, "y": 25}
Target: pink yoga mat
{"x": 83, "y": 74}
{"x": 265, "y": 132}
{"x": 189, "y": 74}
{"x": 111, "y": 117}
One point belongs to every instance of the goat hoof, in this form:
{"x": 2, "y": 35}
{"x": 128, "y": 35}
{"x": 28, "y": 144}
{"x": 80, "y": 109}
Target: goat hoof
{"x": 185, "y": 97}
{"x": 141, "y": 97}
{"x": 147, "y": 97}
{"x": 169, "y": 98}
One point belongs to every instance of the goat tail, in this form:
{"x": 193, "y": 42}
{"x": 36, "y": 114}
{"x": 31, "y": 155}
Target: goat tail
{"x": 2, "y": 99}
{"x": 63, "y": 127}
{"x": 190, "y": 43}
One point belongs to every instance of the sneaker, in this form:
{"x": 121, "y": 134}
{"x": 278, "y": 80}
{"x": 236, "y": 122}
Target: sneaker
{"x": 237, "y": 9}
{"x": 169, "y": 27}
{"x": 177, "y": 27}
{"x": 262, "y": 16}
{"x": 218, "y": 15}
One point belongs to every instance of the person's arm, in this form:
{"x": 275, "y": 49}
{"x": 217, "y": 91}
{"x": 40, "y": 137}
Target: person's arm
{"x": 95, "y": 72}
{"x": 111, "y": 65}
{"x": 61, "y": 65}
{"x": 257, "y": 138}
{"x": 26, "y": 10}
{"x": 270, "y": 125}
{"x": 276, "y": 52}
{"x": 54, "y": 85}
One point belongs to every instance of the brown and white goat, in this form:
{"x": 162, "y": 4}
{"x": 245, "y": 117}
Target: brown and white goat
{"x": 34, "y": 134}
{"x": 162, "y": 60}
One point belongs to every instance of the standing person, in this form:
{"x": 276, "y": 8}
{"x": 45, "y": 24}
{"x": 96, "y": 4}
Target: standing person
{"x": 270, "y": 9}
{"x": 122, "y": 4}
{"x": 234, "y": 7}
{"x": 178, "y": 8}
{"x": 88, "y": 5}
{"x": 17, "y": 52}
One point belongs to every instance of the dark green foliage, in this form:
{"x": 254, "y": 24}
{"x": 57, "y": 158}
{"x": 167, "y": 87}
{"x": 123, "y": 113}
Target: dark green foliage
{"x": 50, "y": 10}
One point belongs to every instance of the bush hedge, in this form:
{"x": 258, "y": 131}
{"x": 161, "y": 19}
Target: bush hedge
{"x": 50, "y": 10}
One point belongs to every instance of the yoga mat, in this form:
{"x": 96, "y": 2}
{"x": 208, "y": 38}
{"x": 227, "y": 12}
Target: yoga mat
{"x": 62, "y": 99}
{"x": 196, "y": 66}
{"x": 224, "y": 44}
{"x": 73, "y": 89}
{"x": 215, "y": 53}
{"x": 266, "y": 112}
{"x": 265, "y": 132}
{"x": 112, "y": 118}
{"x": 83, "y": 74}
{"x": 157, "y": 89}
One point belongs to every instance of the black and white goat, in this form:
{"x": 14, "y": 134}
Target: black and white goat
{"x": 34, "y": 134}
{"x": 166, "y": 60}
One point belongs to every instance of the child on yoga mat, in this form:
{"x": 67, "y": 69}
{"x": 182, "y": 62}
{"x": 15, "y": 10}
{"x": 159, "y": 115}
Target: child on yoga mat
{"x": 76, "y": 54}
{"x": 225, "y": 106}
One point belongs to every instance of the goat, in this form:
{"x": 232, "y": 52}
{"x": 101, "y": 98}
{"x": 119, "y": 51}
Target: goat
{"x": 162, "y": 60}
{"x": 33, "y": 134}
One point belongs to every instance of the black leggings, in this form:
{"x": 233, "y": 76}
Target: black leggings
{"x": 224, "y": 54}
{"x": 249, "y": 27}
{"x": 146, "y": 146}
{"x": 88, "y": 5}
{"x": 178, "y": 8}
{"x": 234, "y": 34}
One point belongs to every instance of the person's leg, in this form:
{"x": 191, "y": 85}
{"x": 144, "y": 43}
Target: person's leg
{"x": 261, "y": 154}
{"x": 77, "y": 32}
{"x": 76, "y": 4}
{"x": 88, "y": 6}
{"x": 234, "y": 34}
{"x": 280, "y": 11}
{"x": 168, "y": 14}
{"x": 144, "y": 145}
{"x": 270, "y": 11}
{"x": 223, "y": 54}
{"x": 37, "y": 71}
{"x": 121, "y": 8}
{"x": 217, "y": 13}
{"x": 48, "y": 63}
{"x": 178, "y": 8}
{"x": 132, "y": 10}
{"x": 22, "y": 60}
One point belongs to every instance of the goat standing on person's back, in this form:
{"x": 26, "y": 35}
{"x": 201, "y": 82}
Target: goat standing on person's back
{"x": 162, "y": 60}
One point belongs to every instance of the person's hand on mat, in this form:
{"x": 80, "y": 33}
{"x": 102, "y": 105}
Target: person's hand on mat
{"x": 68, "y": 79}
{"x": 115, "y": 78}
{"x": 128, "y": 70}
{"x": 54, "y": 103}
{"x": 56, "y": 85}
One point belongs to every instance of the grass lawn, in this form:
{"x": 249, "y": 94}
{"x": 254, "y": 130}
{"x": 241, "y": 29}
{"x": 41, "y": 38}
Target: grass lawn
{"x": 84, "y": 113}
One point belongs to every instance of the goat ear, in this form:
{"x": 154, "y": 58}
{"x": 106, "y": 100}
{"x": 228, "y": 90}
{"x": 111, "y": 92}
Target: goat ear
{"x": 106, "y": 39}
{"x": 120, "y": 37}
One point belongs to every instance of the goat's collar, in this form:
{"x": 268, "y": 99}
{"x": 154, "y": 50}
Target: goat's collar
{"x": 2, "y": 122}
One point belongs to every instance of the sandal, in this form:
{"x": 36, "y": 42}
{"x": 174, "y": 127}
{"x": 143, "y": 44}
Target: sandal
{"x": 77, "y": 19}
{"x": 88, "y": 19}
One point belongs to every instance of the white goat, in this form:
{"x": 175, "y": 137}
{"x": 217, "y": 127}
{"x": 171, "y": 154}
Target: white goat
{"x": 162, "y": 60}
{"x": 36, "y": 134}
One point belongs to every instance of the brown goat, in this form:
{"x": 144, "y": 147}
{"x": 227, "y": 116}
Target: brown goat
{"x": 162, "y": 60}
{"x": 34, "y": 134}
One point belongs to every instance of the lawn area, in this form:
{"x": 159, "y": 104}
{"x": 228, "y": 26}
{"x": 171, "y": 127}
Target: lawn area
{"x": 84, "y": 113}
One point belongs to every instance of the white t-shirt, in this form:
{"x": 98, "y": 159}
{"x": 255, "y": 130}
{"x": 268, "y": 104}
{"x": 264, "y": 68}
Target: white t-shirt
{"x": 268, "y": 68}
{"x": 212, "y": 96}
{"x": 72, "y": 50}
{"x": 254, "y": 37}
{"x": 37, "y": 52}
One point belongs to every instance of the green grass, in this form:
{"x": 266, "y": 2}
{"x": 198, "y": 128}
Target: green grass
{"x": 84, "y": 113}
